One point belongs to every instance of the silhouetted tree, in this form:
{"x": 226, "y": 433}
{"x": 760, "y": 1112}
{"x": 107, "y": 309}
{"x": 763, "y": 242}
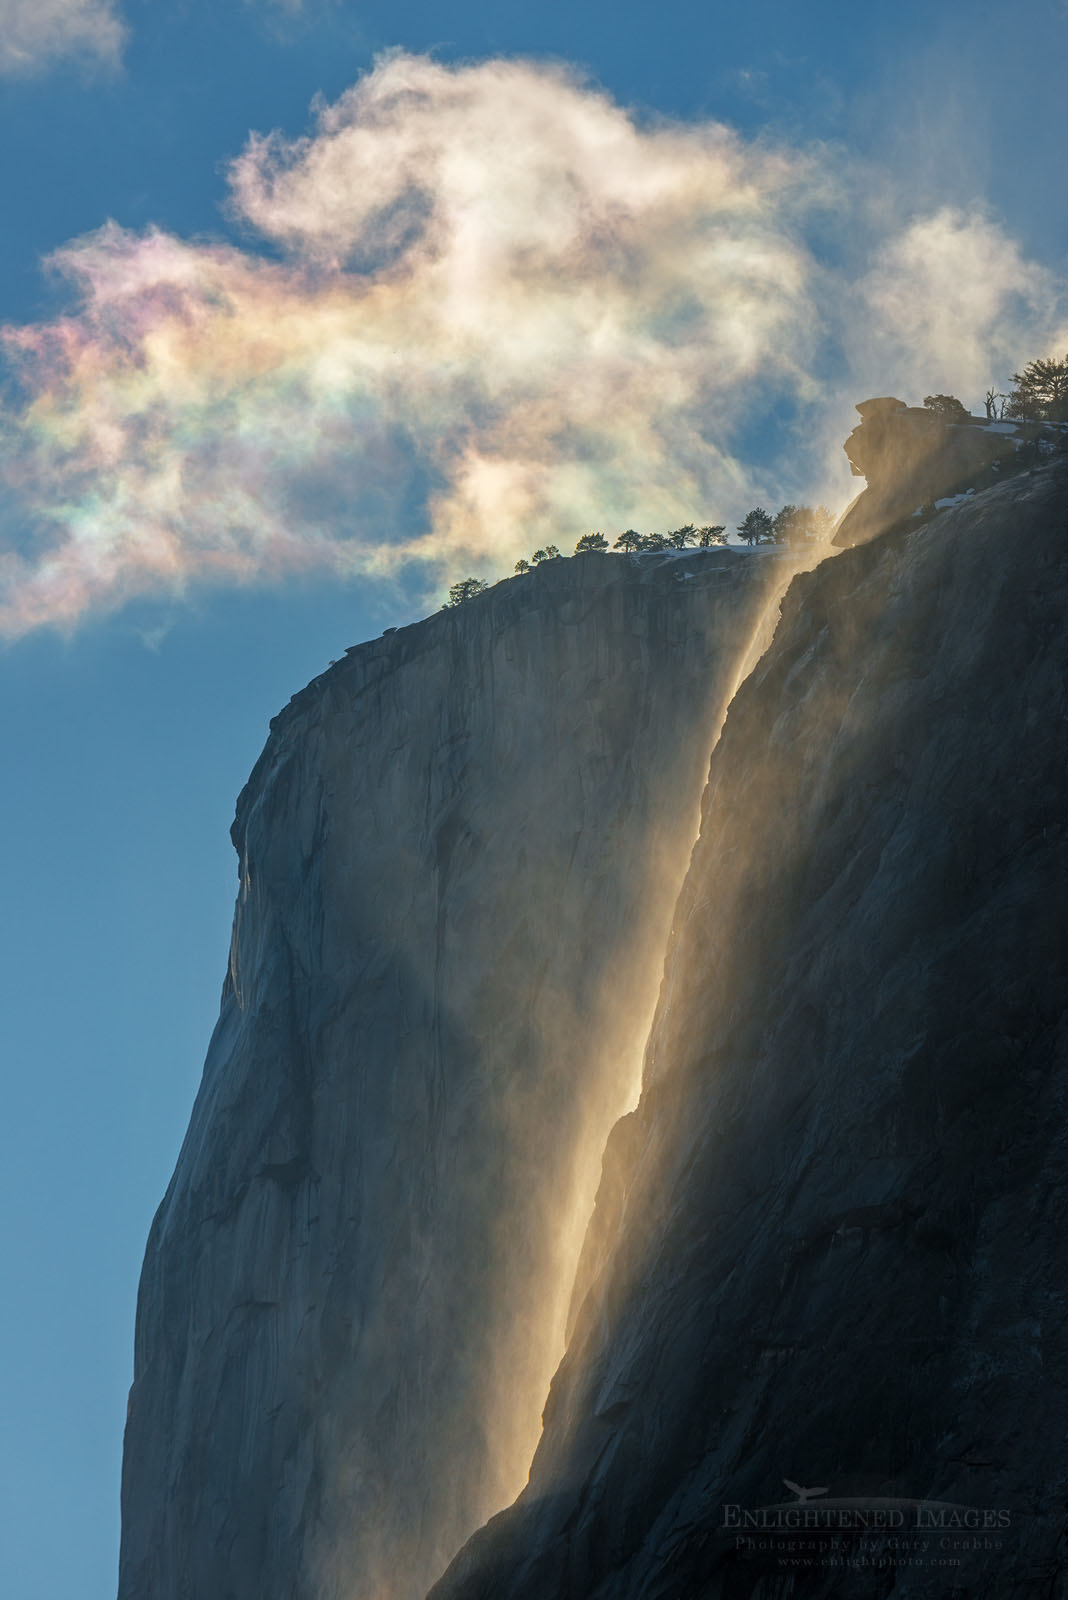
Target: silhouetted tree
{"x": 465, "y": 590}
{"x": 652, "y": 541}
{"x": 629, "y": 541}
{"x": 550, "y": 553}
{"x": 1041, "y": 392}
{"x": 947, "y": 406}
{"x": 715, "y": 533}
{"x": 755, "y": 526}
{"x": 522, "y": 566}
{"x": 787, "y": 524}
{"x": 590, "y": 542}
{"x": 681, "y": 537}
{"x": 995, "y": 405}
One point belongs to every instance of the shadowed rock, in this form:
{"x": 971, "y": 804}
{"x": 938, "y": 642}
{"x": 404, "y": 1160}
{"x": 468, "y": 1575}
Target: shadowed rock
{"x": 829, "y": 1243}
{"x": 912, "y": 457}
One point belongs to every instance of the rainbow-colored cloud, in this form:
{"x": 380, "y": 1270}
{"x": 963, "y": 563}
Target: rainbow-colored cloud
{"x": 488, "y": 309}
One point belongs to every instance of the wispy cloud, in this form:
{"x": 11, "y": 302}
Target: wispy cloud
{"x": 954, "y": 298}
{"x": 35, "y": 33}
{"x": 498, "y": 311}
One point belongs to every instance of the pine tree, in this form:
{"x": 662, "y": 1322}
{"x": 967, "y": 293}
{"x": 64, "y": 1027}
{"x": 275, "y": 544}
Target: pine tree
{"x": 681, "y": 537}
{"x": 465, "y": 590}
{"x": 948, "y": 407}
{"x": 755, "y": 526}
{"x": 789, "y": 524}
{"x": 1041, "y": 392}
{"x": 802, "y": 524}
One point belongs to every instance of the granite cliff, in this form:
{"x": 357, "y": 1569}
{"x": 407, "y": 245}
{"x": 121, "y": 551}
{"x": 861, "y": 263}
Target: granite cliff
{"x": 825, "y": 1264}
{"x": 459, "y": 854}
{"x": 826, "y": 1267}
{"x": 915, "y": 460}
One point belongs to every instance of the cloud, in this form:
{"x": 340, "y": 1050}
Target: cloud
{"x": 503, "y": 312}
{"x": 35, "y": 33}
{"x": 954, "y": 298}
{"x": 481, "y": 307}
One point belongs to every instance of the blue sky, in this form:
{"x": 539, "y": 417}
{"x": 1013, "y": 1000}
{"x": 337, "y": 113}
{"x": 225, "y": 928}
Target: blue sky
{"x": 200, "y": 507}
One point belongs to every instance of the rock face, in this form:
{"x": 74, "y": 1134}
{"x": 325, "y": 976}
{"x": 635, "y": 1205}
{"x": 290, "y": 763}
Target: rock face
{"x": 458, "y": 857}
{"x": 829, "y": 1243}
{"x": 912, "y": 457}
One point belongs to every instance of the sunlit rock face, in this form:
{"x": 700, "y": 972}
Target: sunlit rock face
{"x": 458, "y": 853}
{"x": 912, "y": 457}
{"x": 829, "y": 1245}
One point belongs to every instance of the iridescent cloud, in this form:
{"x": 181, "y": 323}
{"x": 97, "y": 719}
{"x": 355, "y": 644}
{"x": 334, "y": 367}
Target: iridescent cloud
{"x": 489, "y": 309}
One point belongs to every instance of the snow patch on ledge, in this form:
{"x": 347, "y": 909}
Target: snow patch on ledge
{"x": 953, "y": 500}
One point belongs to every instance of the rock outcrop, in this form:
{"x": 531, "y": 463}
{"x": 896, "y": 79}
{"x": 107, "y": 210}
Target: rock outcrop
{"x": 913, "y": 457}
{"x": 829, "y": 1242}
{"x": 459, "y": 853}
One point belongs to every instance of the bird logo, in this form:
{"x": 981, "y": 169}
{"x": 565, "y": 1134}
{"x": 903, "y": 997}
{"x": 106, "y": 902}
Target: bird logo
{"x": 804, "y": 1495}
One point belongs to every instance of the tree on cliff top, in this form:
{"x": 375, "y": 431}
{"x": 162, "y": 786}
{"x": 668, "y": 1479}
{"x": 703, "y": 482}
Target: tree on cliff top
{"x": 466, "y": 589}
{"x": 629, "y": 541}
{"x": 714, "y": 533}
{"x": 681, "y": 537}
{"x": 786, "y": 524}
{"x": 755, "y": 526}
{"x": 801, "y": 524}
{"x": 1041, "y": 392}
{"x": 947, "y": 406}
{"x": 591, "y": 542}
